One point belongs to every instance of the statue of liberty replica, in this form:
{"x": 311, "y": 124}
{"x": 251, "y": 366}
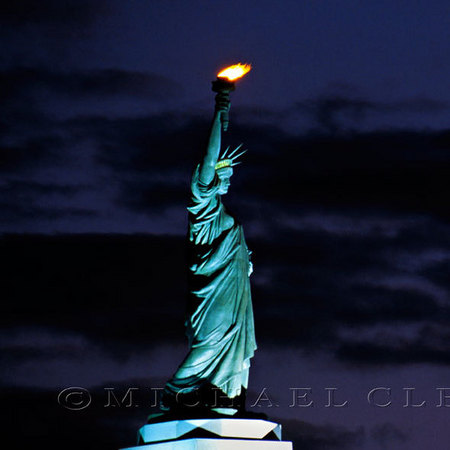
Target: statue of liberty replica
{"x": 203, "y": 403}
{"x": 220, "y": 327}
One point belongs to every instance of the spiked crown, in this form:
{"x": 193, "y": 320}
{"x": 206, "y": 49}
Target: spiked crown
{"x": 230, "y": 160}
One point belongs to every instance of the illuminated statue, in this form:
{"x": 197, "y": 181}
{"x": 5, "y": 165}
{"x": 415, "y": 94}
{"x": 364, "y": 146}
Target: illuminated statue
{"x": 203, "y": 404}
{"x": 220, "y": 325}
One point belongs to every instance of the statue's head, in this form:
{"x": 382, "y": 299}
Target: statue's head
{"x": 224, "y": 168}
{"x": 224, "y": 174}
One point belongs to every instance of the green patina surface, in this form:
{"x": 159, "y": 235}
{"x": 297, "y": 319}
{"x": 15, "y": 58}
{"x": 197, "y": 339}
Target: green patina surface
{"x": 220, "y": 325}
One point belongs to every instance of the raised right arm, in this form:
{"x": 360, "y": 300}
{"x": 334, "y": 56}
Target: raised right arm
{"x": 207, "y": 166}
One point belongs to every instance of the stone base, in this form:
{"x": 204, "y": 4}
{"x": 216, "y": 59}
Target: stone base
{"x": 216, "y": 444}
{"x": 211, "y": 434}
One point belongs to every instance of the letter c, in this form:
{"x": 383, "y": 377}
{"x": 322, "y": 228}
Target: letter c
{"x": 370, "y": 397}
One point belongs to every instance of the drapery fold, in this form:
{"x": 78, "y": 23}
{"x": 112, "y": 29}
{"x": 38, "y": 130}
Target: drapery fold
{"x": 220, "y": 326}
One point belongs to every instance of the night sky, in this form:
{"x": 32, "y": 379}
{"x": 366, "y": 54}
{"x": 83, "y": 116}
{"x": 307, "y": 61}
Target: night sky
{"x": 343, "y": 194}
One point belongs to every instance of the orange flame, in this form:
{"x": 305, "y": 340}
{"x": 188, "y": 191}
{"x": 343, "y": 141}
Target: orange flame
{"x": 234, "y": 72}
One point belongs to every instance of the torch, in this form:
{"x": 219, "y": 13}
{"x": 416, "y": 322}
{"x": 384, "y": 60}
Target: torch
{"x": 225, "y": 83}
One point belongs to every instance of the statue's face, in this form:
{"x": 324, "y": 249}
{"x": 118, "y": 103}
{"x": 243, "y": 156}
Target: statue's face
{"x": 224, "y": 175}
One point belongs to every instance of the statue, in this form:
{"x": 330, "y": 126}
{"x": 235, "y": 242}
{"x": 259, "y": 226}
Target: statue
{"x": 203, "y": 404}
{"x": 214, "y": 375}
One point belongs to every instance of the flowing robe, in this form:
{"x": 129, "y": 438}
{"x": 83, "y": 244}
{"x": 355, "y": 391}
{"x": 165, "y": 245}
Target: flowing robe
{"x": 220, "y": 325}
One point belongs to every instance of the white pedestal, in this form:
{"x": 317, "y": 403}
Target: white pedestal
{"x": 212, "y": 434}
{"x": 216, "y": 444}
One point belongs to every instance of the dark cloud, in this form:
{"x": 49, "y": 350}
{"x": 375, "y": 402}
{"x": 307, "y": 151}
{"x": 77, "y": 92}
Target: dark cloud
{"x": 322, "y": 437}
{"x": 88, "y": 284}
{"x": 34, "y": 145}
{"x": 326, "y": 110}
{"x": 23, "y": 200}
{"x": 17, "y": 213}
{"x": 397, "y": 171}
{"x": 150, "y": 197}
{"x": 48, "y": 32}
{"x": 31, "y": 152}
{"x": 17, "y": 353}
{"x": 27, "y": 186}
{"x": 46, "y": 423}
{"x": 387, "y": 434}
{"x": 166, "y": 141}
{"x": 151, "y": 158}
{"x": 50, "y": 12}
{"x": 429, "y": 345}
{"x": 28, "y": 96}
{"x": 418, "y": 104}
{"x": 438, "y": 272}
{"x": 334, "y": 113}
{"x": 327, "y": 282}
{"x": 315, "y": 280}
{"x": 394, "y": 170}
{"x": 20, "y": 82}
